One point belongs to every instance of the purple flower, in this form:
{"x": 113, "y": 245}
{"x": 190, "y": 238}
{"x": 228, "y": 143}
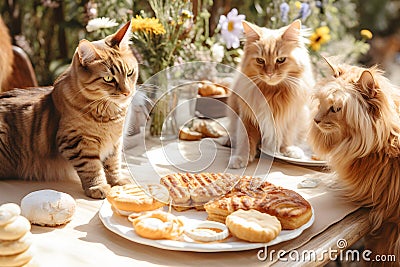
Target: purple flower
{"x": 284, "y": 8}
{"x": 231, "y": 28}
{"x": 305, "y": 11}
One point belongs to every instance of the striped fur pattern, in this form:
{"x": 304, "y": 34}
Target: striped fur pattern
{"x": 276, "y": 74}
{"x": 357, "y": 128}
{"x": 73, "y": 129}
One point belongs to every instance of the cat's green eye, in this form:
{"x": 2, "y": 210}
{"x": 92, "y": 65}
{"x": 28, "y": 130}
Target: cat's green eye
{"x": 280, "y": 60}
{"x": 260, "y": 60}
{"x": 108, "y": 78}
{"x": 334, "y": 110}
{"x": 130, "y": 72}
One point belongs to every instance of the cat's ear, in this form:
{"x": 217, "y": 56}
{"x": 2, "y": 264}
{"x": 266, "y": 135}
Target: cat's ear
{"x": 121, "y": 37}
{"x": 252, "y": 32}
{"x": 332, "y": 68}
{"x": 292, "y": 32}
{"x": 86, "y": 52}
{"x": 368, "y": 84}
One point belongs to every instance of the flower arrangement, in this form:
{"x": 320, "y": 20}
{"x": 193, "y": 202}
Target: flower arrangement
{"x": 174, "y": 32}
{"x": 159, "y": 39}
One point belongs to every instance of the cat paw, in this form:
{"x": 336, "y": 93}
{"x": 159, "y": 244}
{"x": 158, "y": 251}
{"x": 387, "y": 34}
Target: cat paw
{"x": 237, "y": 162}
{"x": 294, "y": 152}
{"x": 98, "y": 191}
{"x": 122, "y": 181}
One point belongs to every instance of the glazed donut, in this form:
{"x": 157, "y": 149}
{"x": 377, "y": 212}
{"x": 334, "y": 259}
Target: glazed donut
{"x": 15, "y": 230}
{"x": 8, "y": 213}
{"x": 12, "y": 247}
{"x": 158, "y": 225}
{"x": 16, "y": 260}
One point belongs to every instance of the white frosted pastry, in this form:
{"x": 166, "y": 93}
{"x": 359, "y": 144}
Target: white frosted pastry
{"x": 8, "y": 213}
{"x": 48, "y": 207}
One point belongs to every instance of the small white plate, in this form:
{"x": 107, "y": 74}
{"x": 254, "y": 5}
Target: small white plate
{"x": 121, "y": 226}
{"x": 304, "y": 162}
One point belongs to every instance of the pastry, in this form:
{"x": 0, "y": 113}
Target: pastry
{"x": 17, "y": 260}
{"x": 8, "y": 213}
{"x": 253, "y": 226}
{"x": 207, "y": 231}
{"x": 13, "y": 247}
{"x": 132, "y": 198}
{"x": 189, "y": 190}
{"x": 15, "y": 230}
{"x": 206, "y": 129}
{"x": 48, "y": 207}
{"x": 189, "y": 135}
{"x": 291, "y": 209}
{"x": 158, "y": 225}
{"x": 208, "y": 88}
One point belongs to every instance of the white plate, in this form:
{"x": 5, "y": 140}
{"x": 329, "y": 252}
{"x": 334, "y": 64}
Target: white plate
{"x": 121, "y": 226}
{"x": 307, "y": 161}
{"x": 304, "y": 162}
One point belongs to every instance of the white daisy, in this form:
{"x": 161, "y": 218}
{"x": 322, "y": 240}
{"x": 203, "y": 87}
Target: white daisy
{"x": 231, "y": 28}
{"x": 100, "y": 23}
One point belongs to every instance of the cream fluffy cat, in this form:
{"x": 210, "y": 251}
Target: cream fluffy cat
{"x": 74, "y": 129}
{"x": 357, "y": 128}
{"x": 277, "y": 71}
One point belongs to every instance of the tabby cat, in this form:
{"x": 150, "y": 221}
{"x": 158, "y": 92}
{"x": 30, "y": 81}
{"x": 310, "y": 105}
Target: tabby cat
{"x": 6, "y": 56}
{"x": 278, "y": 64}
{"x": 76, "y": 127}
{"x": 357, "y": 128}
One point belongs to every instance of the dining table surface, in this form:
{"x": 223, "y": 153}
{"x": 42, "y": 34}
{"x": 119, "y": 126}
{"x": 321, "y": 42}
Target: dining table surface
{"x": 88, "y": 239}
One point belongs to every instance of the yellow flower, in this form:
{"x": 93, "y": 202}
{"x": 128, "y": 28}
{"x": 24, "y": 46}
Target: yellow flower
{"x": 366, "y": 34}
{"x": 297, "y": 4}
{"x": 148, "y": 25}
{"x": 319, "y": 37}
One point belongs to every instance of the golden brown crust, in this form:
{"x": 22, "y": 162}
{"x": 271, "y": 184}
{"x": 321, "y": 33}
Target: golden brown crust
{"x": 193, "y": 190}
{"x": 158, "y": 225}
{"x": 208, "y": 88}
{"x": 189, "y": 135}
{"x": 253, "y": 226}
{"x": 291, "y": 209}
{"x": 134, "y": 198}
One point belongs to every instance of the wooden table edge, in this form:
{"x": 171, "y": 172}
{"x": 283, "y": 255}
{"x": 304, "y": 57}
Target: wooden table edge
{"x": 351, "y": 229}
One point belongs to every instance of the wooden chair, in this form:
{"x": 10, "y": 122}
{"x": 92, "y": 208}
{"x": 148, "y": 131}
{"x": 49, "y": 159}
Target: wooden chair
{"x": 23, "y": 75}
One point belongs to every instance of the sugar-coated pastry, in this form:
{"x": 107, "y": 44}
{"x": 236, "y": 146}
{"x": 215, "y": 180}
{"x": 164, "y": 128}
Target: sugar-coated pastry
{"x": 207, "y": 231}
{"x": 48, "y": 207}
{"x": 15, "y": 230}
{"x": 158, "y": 225}
{"x": 12, "y": 247}
{"x": 253, "y": 226}
{"x": 20, "y": 259}
{"x": 8, "y": 213}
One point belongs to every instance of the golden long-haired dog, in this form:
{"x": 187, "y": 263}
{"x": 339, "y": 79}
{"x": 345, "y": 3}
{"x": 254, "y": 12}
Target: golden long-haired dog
{"x": 357, "y": 128}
